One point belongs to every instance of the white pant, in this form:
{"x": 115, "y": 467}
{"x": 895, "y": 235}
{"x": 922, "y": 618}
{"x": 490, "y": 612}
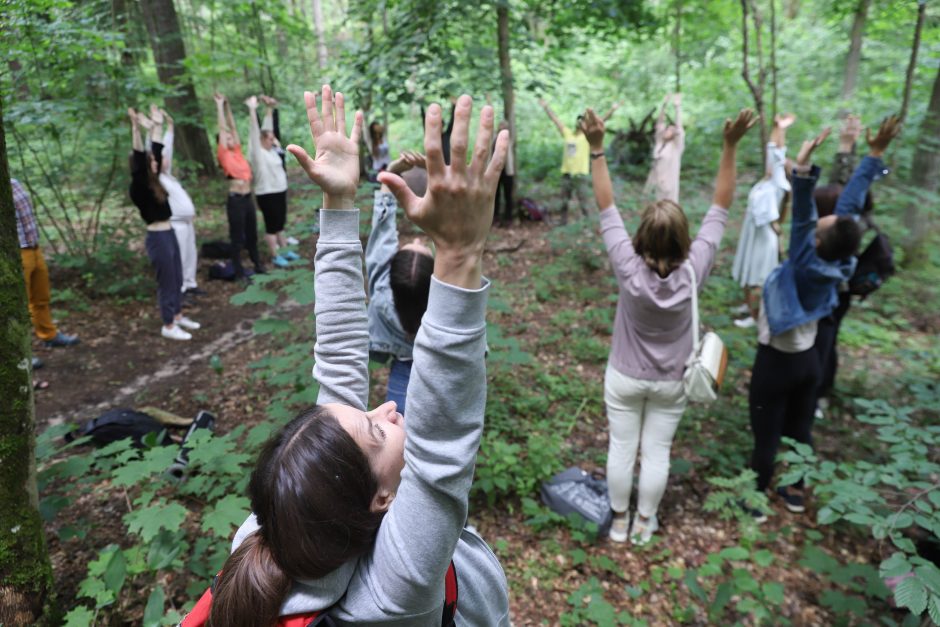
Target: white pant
{"x": 642, "y": 414}
{"x": 186, "y": 236}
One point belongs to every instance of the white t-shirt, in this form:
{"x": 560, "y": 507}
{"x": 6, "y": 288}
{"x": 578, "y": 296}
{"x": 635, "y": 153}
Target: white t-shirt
{"x": 796, "y": 340}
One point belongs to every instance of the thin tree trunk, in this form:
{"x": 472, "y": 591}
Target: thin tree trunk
{"x": 793, "y": 9}
{"x": 756, "y": 88}
{"x": 677, "y": 39}
{"x": 25, "y": 571}
{"x": 321, "y": 33}
{"x": 912, "y": 65}
{"x": 169, "y": 54}
{"x": 505, "y": 72}
{"x": 925, "y": 174}
{"x": 854, "y": 57}
{"x": 773, "y": 58}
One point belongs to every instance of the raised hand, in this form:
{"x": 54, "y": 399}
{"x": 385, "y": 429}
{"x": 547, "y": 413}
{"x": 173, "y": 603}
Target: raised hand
{"x": 734, "y": 130}
{"x": 784, "y": 120}
{"x": 850, "y": 132}
{"x": 132, "y": 114}
{"x": 167, "y": 116}
{"x": 269, "y": 101}
{"x": 156, "y": 114}
{"x": 408, "y": 159}
{"x": 457, "y": 210}
{"x": 806, "y": 150}
{"x": 144, "y": 121}
{"x": 251, "y": 102}
{"x": 889, "y": 129}
{"x": 335, "y": 166}
{"x": 593, "y": 127}
{"x": 677, "y": 99}
{"x": 219, "y": 98}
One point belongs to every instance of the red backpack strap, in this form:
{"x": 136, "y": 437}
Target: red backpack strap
{"x": 450, "y": 596}
{"x": 199, "y": 615}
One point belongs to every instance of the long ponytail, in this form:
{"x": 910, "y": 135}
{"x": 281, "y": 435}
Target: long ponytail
{"x": 250, "y": 588}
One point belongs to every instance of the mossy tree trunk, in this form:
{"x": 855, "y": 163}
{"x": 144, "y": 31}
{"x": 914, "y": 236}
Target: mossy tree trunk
{"x": 25, "y": 571}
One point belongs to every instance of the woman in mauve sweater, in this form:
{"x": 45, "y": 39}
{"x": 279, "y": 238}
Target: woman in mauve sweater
{"x": 643, "y": 387}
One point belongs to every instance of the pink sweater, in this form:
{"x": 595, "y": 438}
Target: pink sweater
{"x": 653, "y": 325}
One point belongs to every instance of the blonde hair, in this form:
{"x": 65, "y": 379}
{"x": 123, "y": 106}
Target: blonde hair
{"x": 662, "y": 238}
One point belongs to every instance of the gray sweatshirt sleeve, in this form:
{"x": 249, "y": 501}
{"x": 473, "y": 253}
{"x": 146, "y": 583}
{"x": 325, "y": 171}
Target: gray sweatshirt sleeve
{"x": 383, "y": 239}
{"x": 446, "y": 402}
{"x": 342, "y": 348}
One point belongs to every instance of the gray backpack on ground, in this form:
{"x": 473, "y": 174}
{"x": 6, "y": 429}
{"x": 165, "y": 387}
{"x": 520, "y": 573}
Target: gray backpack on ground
{"x": 576, "y": 491}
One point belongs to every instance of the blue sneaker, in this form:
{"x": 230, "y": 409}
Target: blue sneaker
{"x": 280, "y": 262}
{"x": 290, "y": 255}
{"x": 61, "y": 339}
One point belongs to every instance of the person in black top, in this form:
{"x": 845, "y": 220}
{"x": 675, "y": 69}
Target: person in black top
{"x": 150, "y": 198}
{"x": 446, "y": 130}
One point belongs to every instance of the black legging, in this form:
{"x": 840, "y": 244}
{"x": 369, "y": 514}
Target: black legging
{"x": 505, "y": 186}
{"x": 242, "y": 230}
{"x": 782, "y": 400}
{"x": 827, "y": 341}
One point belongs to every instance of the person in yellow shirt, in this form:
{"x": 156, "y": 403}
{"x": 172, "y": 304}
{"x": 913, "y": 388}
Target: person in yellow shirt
{"x": 575, "y": 162}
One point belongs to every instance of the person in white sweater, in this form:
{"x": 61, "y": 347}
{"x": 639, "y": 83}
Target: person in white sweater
{"x": 267, "y": 164}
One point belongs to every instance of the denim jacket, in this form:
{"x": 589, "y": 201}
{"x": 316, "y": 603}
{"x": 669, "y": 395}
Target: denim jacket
{"x": 386, "y": 337}
{"x": 803, "y": 288}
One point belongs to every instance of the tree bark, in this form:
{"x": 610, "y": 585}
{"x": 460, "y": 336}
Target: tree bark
{"x": 677, "y": 44}
{"x": 321, "y": 33}
{"x": 748, "y": 9}
{"x": 854, "y": 57}
{"x": 169, "y": 54}
{"x": 25, "y": 571}
{"x": 912, "y": 65}
{"x": 925, "y": 174}
{"x": 505, "y": 72}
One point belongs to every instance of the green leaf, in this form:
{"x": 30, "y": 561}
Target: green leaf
{"x": 895, "y": 566}
{"x": 115, "y": 573}
{"x": 79, "y": 616}
{"x": 933, "y": 609}
{"x": 230, "y": 511}
{"x": 271, "y": 325}
{"x": 910, "y": 593}
{"x": 164, "y": 549}
{"x": 773, "y": 592}
{"x": 254, "y": 293}
{"x": 50, "y": 506}
{"x": 763, "y": 557}
{"x": 827, "y": 516}
{"x": 148, "y": 521}
{"x": 734, "y": 553}
{"x": 153, "y": 613}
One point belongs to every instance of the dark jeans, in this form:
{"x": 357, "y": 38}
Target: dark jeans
{"x": 398, "y": 378}
{"x": 782, "y": 400}
{"x": 242, "y": 231}
{"x": 505, "y": 186}
{"x": 827, "y": 341}
{"x": 164, "y": 253}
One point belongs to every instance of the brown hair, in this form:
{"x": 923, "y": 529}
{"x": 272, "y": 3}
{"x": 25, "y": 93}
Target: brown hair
{"x": 410, "y": 279}
{"x": 311, "y": 491}
{"x": 840, "y": 240}
{"x": 662, "y": 238}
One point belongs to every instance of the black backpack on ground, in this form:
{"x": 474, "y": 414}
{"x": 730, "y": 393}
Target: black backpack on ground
{"x": 216, "y": 249}
{"x": 875, "y": 265}
{"x": 120, "y": 423}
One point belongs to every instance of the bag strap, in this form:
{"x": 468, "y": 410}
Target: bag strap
{"x": 695, "y": 339}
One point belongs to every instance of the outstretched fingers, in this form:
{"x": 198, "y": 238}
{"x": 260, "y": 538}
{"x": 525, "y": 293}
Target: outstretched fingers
{"x": 303, "y": 159}
{"x": 340, "y": 113}
{"x": 356, "y": 133}
{"x": 499, "y": 158}
{"x": 316, "y": 124}
{"x": 432, "y": 141}
{"x": 460, "y": 136}
{"x": 481, "y": 150}
{"x": 403, "y": 194}
{"x": 326, "y": 97}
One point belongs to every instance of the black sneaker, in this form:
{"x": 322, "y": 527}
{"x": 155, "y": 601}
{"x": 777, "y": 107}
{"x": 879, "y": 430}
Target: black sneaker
{"x": 195, "y": 291}
{"x": 759, "y": 516}
{"x": 793, "y": 500}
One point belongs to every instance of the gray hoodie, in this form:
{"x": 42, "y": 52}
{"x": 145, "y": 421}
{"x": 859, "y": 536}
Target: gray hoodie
{"x": 401, "y": 581}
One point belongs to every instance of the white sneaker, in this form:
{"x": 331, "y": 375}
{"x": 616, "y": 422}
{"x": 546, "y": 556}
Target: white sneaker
{"x": 186, "y": 323}
{"x": 618, "y": 528}
{"x": 175, "y": 333}
{"x": 292, "y": 241}
{"x": 745, "y": 323}
{"x": 741, "y": 309}
{"x": 643, "y": 532}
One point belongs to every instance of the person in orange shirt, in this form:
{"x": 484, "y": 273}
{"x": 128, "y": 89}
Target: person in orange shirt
{"x": 240, "y": 206}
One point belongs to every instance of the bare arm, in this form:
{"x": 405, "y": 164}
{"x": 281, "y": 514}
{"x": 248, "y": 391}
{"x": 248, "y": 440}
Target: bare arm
{"x": 220, "y": 116}
{"x": 611, "y": 111}
{"x": 254, "y": 131}
{"x": 553, "y": 117}
{"x": 677, "y": 103}
{"x": 726, "y": 180}
{"x": 230, "y": 121}
{"x": 662, "y": 111}
{"x": 156, "y": 131}
{"x": 600, "y": 175}
{"x": 136, "y": 143}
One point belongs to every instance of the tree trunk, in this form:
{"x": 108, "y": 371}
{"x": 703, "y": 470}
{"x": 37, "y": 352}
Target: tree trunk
{"x": 912, "y": 65}
{"x": 793, "y": 9}
{"x": 169, "y": 55}
{"x": 505, "y": 72}
{"x": 773, "y": 60}
{"x": 677, "y": 44}
{"x": 25, "y": 571}
{"x": 854, "y": 57}
{"x": 749, "y": 9}
{"x": 321, "y": 33}
{"x": 925, "y": 174}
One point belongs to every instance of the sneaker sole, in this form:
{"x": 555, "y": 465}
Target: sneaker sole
{"x": 616, "y": 537}
{"x": 796, "y": 509}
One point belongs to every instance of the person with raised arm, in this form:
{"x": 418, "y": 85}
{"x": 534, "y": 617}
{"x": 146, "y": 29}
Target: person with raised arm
{"x": 151, "y": 199}
{"x": 184, "y": 212}
{"x": 575, "y": 163}
{"x": 797, "y": 294}
{"x": 399, "y": 279}
{"x": 643, "y": 388}
{"x": 758, "y": 250}
{"x": 270, "y": 177}
{"x": 239, "y": 206}
{"x": 361, "y": 514}
{"x": 668, "y": 146}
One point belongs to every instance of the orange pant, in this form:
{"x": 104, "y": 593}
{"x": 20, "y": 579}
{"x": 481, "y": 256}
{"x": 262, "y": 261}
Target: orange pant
{"x": 36, "y": 275}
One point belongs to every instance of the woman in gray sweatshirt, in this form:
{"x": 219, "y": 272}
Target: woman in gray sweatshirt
{"x": 358, "y": 513}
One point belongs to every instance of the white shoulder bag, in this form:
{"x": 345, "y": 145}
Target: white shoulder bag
{"x": 705, "y": 368}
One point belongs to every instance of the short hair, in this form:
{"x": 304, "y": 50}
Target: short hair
{"x": 662, "y": 239}
{"x": 410, "y": 279}
{"x": 840, "y": 240}
{"x": 827, "y": 197}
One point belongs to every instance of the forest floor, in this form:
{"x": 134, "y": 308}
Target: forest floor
{"x": 553, "y": 298}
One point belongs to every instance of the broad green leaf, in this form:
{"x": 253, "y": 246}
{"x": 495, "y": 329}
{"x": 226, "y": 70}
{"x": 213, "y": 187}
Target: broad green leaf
{"x": 148, "y": 521}
{"x": 79, "y": 616}
{"x": 153, "y": 613}
{"x": 910, "y": 593}
{"x": 230, "y": 511}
